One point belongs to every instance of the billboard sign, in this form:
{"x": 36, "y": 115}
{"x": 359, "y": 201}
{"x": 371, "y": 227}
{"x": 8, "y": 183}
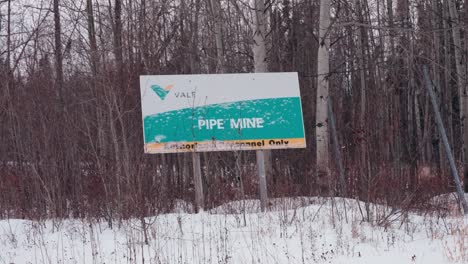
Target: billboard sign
{"x": 220, "y": 112}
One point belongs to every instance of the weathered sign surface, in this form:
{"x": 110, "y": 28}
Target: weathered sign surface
{"x": 219, "y": 112}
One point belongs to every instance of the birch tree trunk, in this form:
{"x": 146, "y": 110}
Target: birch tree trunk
{"x": 259, "y": 47}
{"x": 259, "y": 52}
{"x": 217, "y": 17}
{"x": 92, "y": 36}
{"x": 321, "y": 126}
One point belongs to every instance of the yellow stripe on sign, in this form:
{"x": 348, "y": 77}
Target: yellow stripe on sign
{"x": 225, "y": 145}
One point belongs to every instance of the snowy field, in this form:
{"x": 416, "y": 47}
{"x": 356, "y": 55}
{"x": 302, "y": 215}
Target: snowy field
{"x": 299, "y": 230}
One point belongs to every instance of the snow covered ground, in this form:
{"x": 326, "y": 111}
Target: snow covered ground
{"x": 299, "y": 230}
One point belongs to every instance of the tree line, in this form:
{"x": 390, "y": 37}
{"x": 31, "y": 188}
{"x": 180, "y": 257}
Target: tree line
{"x": 71, "y": 131}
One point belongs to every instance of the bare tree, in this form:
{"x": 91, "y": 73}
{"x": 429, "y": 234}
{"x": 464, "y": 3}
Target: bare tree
{"x": 260, "y": 57}
{"x": 217, "y": 14}
{"x": 461, "y": 77}
{"x": 58, "y": 51}
{"x": 321, "y": 123}
{"x": 71, "y": 139}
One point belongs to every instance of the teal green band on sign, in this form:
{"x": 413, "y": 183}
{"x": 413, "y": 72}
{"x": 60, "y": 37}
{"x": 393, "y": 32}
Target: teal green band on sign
{"x": 242, "y": 120}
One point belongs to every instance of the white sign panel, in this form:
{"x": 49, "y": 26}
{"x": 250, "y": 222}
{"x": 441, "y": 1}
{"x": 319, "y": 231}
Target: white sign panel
{"x": 217, "y": 112}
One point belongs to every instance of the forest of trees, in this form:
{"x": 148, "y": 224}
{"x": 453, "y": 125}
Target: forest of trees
{"x": 71, "y": 138}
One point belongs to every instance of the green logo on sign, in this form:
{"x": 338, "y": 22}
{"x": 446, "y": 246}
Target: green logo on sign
{"x": 161, "y": 92}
